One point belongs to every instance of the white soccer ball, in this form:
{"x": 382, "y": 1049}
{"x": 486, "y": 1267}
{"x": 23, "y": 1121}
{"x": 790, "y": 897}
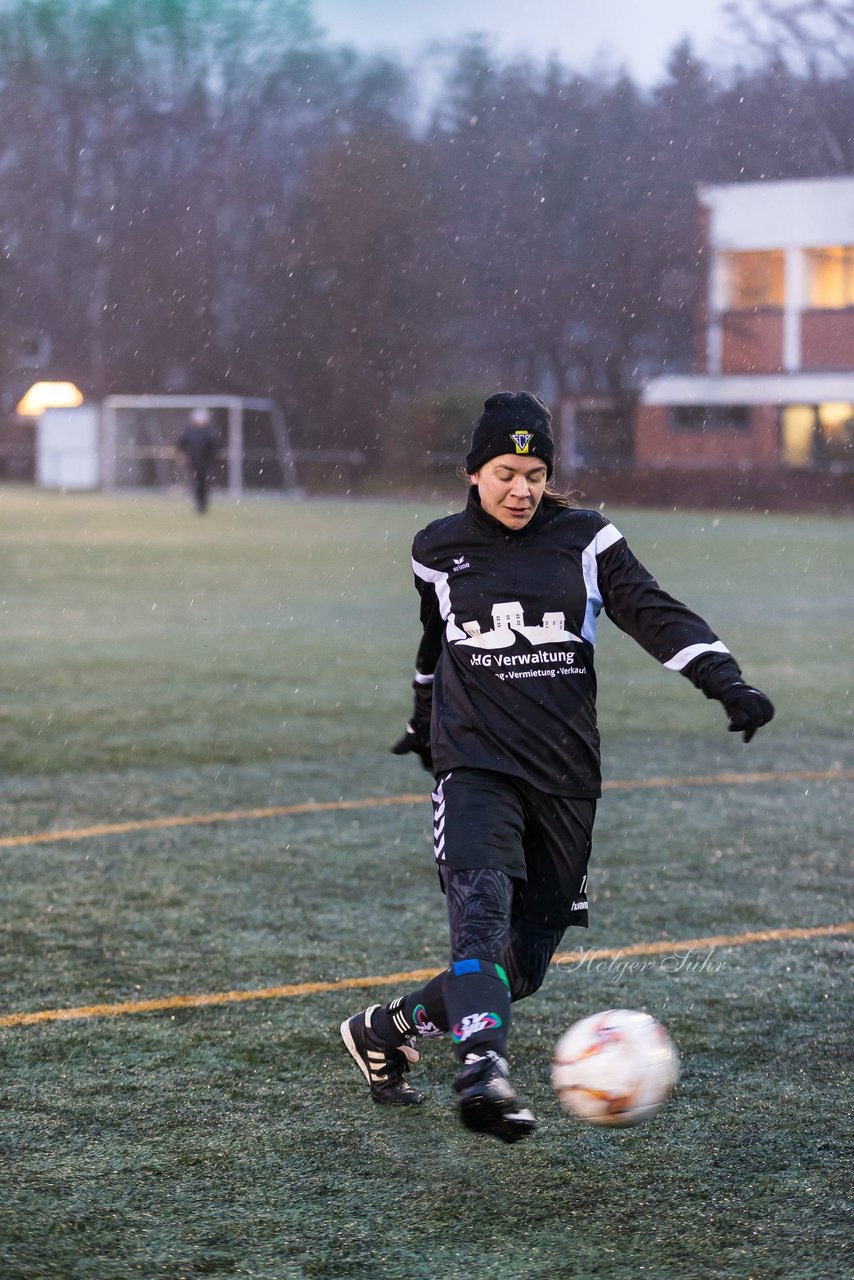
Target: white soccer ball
{"x": 615, "y": 1068}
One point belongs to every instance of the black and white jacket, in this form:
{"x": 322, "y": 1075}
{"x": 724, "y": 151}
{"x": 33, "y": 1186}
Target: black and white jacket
{"x": 509, "y": 621}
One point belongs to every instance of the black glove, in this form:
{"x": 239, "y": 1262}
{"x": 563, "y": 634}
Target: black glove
{"x": 415, "y": 739}
{"x": 748, "y": 709}
{"x": 417, "y": 736}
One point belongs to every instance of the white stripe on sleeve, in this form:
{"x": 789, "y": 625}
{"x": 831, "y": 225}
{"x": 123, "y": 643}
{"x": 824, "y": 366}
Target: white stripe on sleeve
{"x": 443, "y": 593}
{"x": 604, "y": 539}
{"x": 684, "y": 656}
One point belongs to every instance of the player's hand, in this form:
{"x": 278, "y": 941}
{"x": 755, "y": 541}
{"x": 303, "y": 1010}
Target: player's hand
{"x": 748, "y": 709}
{"x": 417, "y": 741}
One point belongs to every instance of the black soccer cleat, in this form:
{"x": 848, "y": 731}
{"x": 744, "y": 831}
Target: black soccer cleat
{"x": 383, "y": 1065}
{"x": 487, "y": 1101}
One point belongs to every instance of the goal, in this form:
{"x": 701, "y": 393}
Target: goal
{"x": 139, "y": 435}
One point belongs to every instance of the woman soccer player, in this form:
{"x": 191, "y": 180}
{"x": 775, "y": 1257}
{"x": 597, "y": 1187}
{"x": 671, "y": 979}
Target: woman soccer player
{"x": 505, "y": 718}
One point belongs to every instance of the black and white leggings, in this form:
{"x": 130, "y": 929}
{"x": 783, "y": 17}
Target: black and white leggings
{"x": 483, "y": 926}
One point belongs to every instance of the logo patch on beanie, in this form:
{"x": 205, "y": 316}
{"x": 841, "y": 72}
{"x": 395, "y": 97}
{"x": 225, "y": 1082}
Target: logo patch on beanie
{"x": 522, "y": 440}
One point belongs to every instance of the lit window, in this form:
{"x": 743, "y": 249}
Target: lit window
{"x": 836, "y": 420}
{"x": 754, "y": 279}
{"x": 798, "y": 434}
{"x": 830, "y": 277}
{"x": 818, "y": 435}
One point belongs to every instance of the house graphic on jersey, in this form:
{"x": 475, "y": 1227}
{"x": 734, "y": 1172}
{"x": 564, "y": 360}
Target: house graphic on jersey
{"x": 508, "y": 622}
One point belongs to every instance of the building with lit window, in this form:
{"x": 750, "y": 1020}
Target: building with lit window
{"x": 775, "y": 380}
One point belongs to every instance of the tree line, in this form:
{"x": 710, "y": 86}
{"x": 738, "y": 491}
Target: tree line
{"x": 207, "y": 196}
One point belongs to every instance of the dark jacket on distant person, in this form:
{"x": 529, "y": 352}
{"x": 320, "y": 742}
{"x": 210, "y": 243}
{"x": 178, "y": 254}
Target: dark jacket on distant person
{"x": 199, "y": 445}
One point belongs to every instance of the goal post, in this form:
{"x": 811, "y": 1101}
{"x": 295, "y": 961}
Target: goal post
{"x": 139, "y": 434}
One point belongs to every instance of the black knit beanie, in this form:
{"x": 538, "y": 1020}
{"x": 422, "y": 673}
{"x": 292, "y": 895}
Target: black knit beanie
{"x": 512, "y": 422}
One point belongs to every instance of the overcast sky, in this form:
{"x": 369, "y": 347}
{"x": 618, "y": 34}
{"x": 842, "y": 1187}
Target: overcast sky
{"x": 636, "y": 34}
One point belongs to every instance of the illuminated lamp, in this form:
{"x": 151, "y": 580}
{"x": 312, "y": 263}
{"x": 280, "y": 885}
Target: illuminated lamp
{"x": 49, "y": 395}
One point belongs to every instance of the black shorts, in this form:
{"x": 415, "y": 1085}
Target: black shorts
{"x": 487, "y": 819}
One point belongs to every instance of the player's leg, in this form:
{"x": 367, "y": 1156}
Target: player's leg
{"x": 382, "y": 1040}
{"x": 472, "y": 997}
{"x": 557, "y": 843}
{"x": 477, "y": 827}
{"x": 475, "y": 988}
{"x": 477, "y": 998}
{"x": 529, "y": 953}
{"x": 558, "y": 834}
{"x": 477, "y": 817}
{"x": 201, "y": 490}
{"x": 479, "y": 853}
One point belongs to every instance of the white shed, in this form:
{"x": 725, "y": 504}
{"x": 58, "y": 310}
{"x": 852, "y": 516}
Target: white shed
{"x": 68, "y": 448}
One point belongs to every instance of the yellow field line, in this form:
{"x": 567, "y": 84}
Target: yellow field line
{"x": 378, "y": 802}
{"x": 664, "y": 946}
{"x": 199, "y": 819}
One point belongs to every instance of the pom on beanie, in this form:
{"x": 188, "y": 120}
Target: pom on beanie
{"x": 512, "y": 422}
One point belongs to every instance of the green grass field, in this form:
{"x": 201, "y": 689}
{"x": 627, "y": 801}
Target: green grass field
{"x": 157, "y": 666}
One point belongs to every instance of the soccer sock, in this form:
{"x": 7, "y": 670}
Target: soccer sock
{"x": 477, "y": 998}
{"x": 420, "y": 1013}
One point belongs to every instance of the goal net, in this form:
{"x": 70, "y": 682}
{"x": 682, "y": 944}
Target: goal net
{"x": 139, "y": 436}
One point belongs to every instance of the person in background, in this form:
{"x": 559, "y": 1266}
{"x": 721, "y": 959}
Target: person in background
{"x": 505, "y": 719}
{"x": 198, "y": 446}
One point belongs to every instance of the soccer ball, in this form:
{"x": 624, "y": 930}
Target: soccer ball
{"x": 615, "y": 1068}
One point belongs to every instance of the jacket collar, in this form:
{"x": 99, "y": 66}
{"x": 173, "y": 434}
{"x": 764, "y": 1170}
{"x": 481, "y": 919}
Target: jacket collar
{"x": 488, "y": 524}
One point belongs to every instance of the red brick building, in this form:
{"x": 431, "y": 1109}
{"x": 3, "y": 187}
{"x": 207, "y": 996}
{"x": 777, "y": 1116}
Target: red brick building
{"x": 774, "y": 386}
